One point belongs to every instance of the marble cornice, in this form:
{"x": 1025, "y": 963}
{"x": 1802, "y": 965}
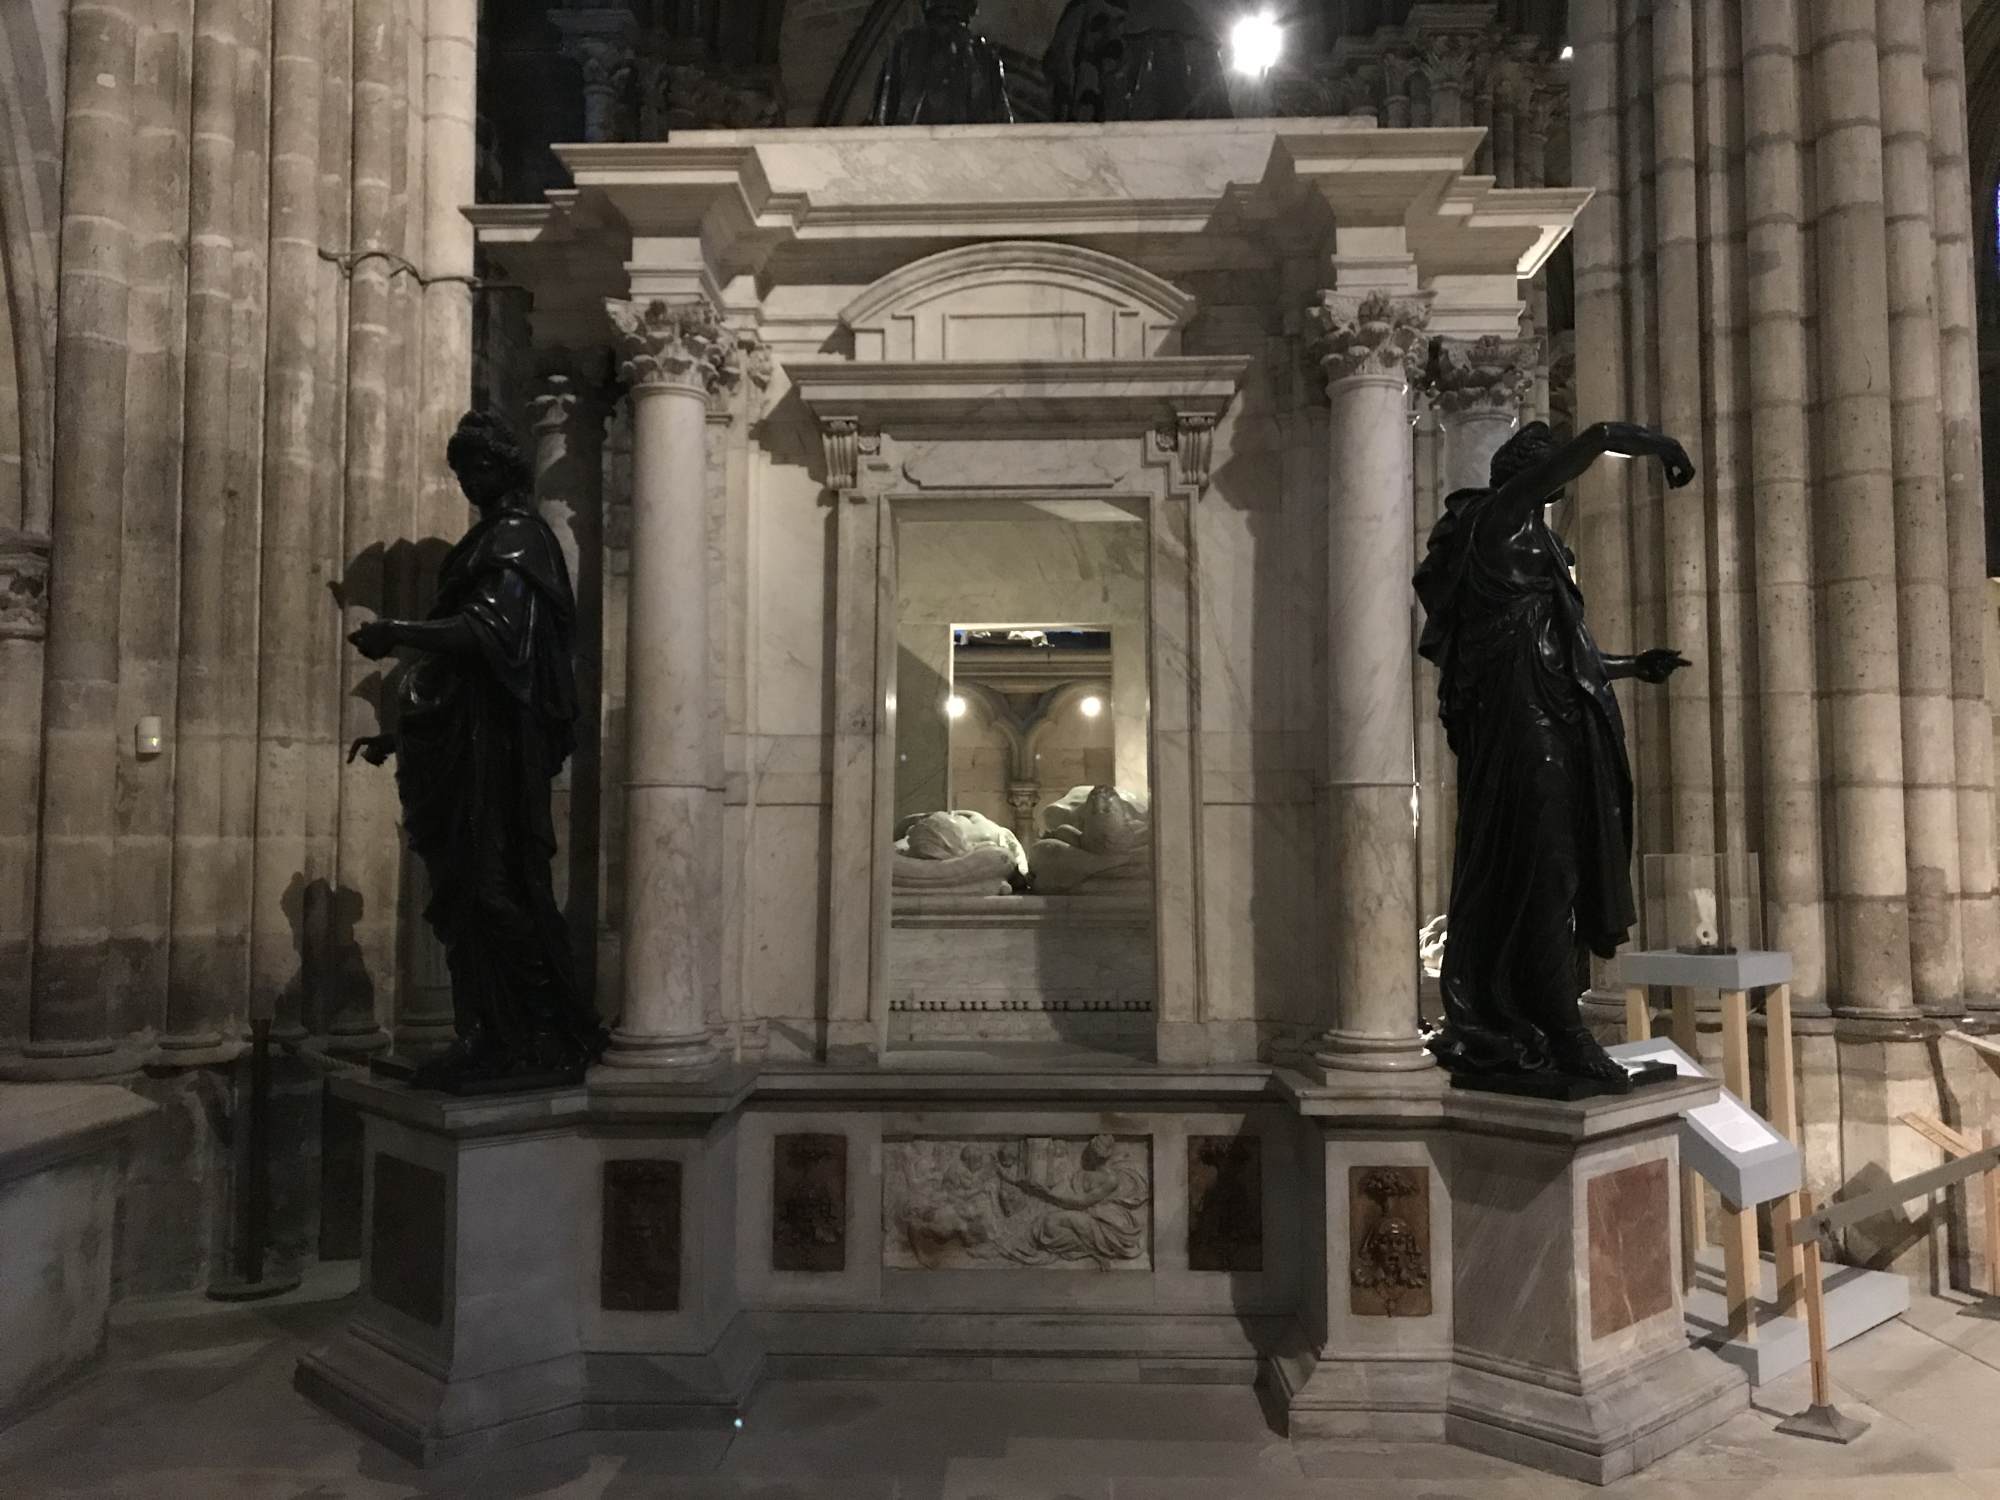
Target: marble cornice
{"x": 1137, "y": 395}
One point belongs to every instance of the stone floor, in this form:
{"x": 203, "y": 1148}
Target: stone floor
{"x": 197, "y": 1404}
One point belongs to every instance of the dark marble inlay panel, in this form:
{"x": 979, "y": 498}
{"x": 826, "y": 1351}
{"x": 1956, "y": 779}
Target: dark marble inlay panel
{"x": 1389, "y": 1242}
{"x": 809, "y": 1203}
{"x": 406, "y": 1239}
{"x": 1225, "y": 1203}
{"x": 1631, "y": 1247}
{"x": 641, "y": 1263}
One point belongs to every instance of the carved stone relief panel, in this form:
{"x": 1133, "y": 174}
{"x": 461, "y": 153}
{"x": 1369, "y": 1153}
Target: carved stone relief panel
{"x": 1631, "y": 1247}
{"x": 641, "y": 1260}
{"x": 1389, "y": 1245}
{"x": 1057, "y": 1203}
{"x": 809, "y": 1203}
{"x": 1225, "y": 1203}
{"x": 406, "y": 1239}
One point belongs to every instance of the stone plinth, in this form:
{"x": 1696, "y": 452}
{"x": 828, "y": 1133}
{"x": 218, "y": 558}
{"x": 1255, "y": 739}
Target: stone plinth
{"x": 1569, "y": 1345}
{"x": 524, "y": 1274}
{"x": 61, "y": 1171}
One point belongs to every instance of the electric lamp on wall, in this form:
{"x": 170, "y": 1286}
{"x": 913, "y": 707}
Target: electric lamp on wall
{"x": 149, "y": 738}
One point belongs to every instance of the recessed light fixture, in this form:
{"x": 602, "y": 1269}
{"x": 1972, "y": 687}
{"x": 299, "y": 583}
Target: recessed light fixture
{"x": 1568, "y": 53}
{"x": 954, "y": 706}
{"x": 1092, "y": 706}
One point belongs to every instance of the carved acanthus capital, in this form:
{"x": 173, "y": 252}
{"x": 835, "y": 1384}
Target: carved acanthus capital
{"x": 1359, "y": 334}
{"x": 1481, "y": 375}
{"x": 24, "y": 585}
{"x": 1449, "y": 62}
{"x": 681, "y": 345}
{"x": 606, "y": 61}
{"x": 1397, "y": 69}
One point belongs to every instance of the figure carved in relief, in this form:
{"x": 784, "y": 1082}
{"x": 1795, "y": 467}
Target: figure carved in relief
{"x": 1542, "y": 869}
{"x": 487, "y": 718}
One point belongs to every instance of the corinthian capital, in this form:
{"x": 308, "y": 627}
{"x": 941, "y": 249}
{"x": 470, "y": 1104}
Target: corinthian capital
{"x": 682, "y": 345}
{"x": 1368, "y": 333}
{"x": 1481, "y": 375}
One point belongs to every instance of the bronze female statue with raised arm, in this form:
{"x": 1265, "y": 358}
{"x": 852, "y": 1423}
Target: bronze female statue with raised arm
{"x": 1542, "y": 868}
{"x": 486, "y": 718}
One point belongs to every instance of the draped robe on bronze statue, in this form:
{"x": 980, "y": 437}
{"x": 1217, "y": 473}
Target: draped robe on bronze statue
{"x": 1544, "y": 842}
{"x": 479, "y": 739}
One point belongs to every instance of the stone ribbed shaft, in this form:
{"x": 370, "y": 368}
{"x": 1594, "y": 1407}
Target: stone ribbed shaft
{"x": 1970, "y": 602}
{"x": 674, "y": 356}
{"x": 1787, "y": 669}
{"x": 1857, "y": 523}
{"x": 1369, "y": 342}
{"x": 288, "y": 665}
{"x": 205, "y": 971}
{"x": 1923, "y": 564}
{"x": 68, "y": 1023}
{"x": 370, "y": 849}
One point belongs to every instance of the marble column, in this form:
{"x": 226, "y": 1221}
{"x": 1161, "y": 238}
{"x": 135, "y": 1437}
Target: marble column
{"x": 69, "y": 1015}
{"x": 1370, "y": 340}
{"x": 675, "y": 356}
{"x": 569, "y": 420}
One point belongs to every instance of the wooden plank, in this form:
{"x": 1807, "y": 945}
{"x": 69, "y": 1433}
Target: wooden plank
{"x": 1949, "y": 1141}
{"x": 1840, "y": 1215}
{"x": 1693, "y": 1233}
{"x": 1781, "y": 1101}
{"x": 1987, "y": 1048}
{"x": 1822, "y": 1384}
{"x": 1991, "y": 1182}
{"x": 1740, "y": 1260}
{"x": 1638, "y": 1014}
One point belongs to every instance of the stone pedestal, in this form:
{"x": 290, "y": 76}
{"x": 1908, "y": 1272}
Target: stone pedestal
{"x": 1502, "y": 1274}
{"x": 1569, "y": 1342}
{"x": 527, "y": 1271}
{"x": 61, "y": 1173}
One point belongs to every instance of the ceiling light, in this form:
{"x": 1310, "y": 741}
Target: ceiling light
{"x": 1255, "y": 44}
{"x": 1092, "y": 706}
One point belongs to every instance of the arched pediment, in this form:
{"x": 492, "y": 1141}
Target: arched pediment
{"x": 1018, "y": 300}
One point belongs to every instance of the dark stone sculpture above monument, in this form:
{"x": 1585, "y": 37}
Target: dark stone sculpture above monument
{"x": 1135, "y": 60}
{"x": 942, "y": 72}
{"x": 487, "y": 712}
{"x": 1543, "y": 859}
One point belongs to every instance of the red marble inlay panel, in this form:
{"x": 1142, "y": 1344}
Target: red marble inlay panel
{"x": 1631, "y": 1247}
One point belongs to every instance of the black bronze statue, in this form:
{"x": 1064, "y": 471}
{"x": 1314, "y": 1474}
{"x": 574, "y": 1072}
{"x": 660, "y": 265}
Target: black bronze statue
{"x": 1543, "y": 858}
{"x": 487, "y": 712}
{"x": 1135, "y": 60}
{"x": 942, "y": 72}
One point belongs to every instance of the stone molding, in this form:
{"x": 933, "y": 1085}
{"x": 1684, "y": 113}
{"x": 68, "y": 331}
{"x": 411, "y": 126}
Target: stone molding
{"x": 1488, "y": 374}
{"x": 1358, "y": 335}
{"x": 1191, "y": 439}
{"x": 24, "y": 585}
{"x": 845, "y": 443}
{"x": 674, "y": 345}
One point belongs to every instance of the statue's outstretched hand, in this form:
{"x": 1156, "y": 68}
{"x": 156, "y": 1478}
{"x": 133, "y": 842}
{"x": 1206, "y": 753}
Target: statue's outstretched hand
{"x": 373, "y": 748}
{"x": 1658, "y": 665}
{"x": 1673, "y": 458}
{"x": 374, "y": 640}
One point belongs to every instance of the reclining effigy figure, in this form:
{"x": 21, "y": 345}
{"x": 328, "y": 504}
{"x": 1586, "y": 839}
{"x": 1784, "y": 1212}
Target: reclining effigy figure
{"x": 957, "y": 854}
{"x": 1096, "y": 836}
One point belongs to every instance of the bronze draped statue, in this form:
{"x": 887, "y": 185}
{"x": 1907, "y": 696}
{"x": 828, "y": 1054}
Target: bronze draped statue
{"x": 486, "y": 718}
{"x": 1543, "y": 855}
{"x": 1135, "y": 60}
{"x": 942, "y": 72}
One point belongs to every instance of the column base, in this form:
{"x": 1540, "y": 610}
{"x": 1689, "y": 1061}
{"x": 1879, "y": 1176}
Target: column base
{"x": 358, "y": 1044}
{"x": 196, "y": 1051}
{"x": 680, "y": 1055}
{"x": 1354, "y": 1052}
{"x": 68, "y": 1062}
